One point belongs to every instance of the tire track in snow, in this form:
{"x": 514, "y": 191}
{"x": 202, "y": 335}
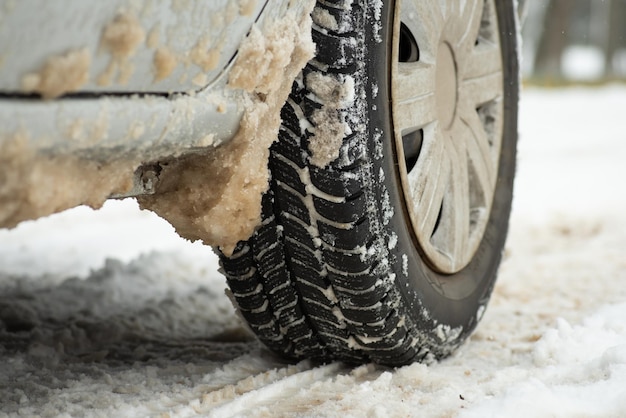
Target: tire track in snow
{"x": 260, "y": 390}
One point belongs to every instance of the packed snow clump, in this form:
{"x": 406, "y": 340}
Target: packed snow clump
{"x": 216, "y": 198}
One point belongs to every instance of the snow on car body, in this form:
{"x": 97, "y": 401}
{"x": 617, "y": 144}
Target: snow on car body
{"x": 128, "y": 84}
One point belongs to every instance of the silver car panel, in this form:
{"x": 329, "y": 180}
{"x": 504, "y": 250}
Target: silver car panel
{"x": 82, "y": 143}
{"x": 122, "y": 45}
{"x": 104, "y": 125}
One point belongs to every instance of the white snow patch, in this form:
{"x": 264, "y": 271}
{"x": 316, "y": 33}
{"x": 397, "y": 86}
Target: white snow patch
{"x": 388, "y": 209}
{"x": 480, "y": 313}
{"x": 378, "y": 8}
{"x": 393, "y": 241}
{"x": 405, "y": 265}
{"x": 323, "y": 19}
{"x": 582, "y": 63}
{"x": 447, "y": 334}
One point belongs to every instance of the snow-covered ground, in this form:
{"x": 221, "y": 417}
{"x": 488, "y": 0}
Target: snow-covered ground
{"x": 109, "y": 314}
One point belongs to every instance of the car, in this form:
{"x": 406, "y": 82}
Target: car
{"x": 351, "y": 161}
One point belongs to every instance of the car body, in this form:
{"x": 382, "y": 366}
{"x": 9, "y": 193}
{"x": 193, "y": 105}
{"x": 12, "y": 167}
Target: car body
{"x": 92, "y": 92}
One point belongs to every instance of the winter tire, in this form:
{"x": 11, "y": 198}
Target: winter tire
{"x": 391, "y": 184}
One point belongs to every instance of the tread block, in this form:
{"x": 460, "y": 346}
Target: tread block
{"x": 337, "y": 183}
{"x": 376, "y": 330}
{"x": 270, "y": 259}
{"x": 375, "y": 313}
{"x": 238, "y": 267}
{"x": 403, "y": 354}
{"x": 334, "y": 50}
{"x": 342, "y": 261}
{"x": 293, "y": 154}
{"x": 347, "y": 212}
{"x": 276, "y": 279}
{"x": 304, "y": 255}
{"x": 250, "y": 302}
{"x": 346, "y": 239}
{"x": 285, "y": 173}
{"x": 357, "y": 282}
{"x": 304, "y": 273}
{"x": 362, "y": 299}
{"x": 295, "y": 230}
{"x": 297, "y": 91}
{"x": 322, "y": 315}
{"x": 291, "y": 203}
{"x": 290, "y": 119}
{"x": 309, "y": 106}
{"x": 266, "y": 235}
{"x": 288, "y": 137}
{"x": 256, "y": 319}
{"x": 242, "y": 286}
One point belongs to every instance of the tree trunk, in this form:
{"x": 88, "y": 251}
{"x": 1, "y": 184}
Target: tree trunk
{"x": 553, "y": 40}
{"x": 615, "y": 39}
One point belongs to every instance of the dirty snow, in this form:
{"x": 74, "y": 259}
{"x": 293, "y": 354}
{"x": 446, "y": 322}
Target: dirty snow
{"x": 109, "y": 314}
{"x": 216, "y": 198}
{"x": 60, "y": 74}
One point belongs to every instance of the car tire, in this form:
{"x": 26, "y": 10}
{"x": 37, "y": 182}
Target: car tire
{"x": 391, "y": 184}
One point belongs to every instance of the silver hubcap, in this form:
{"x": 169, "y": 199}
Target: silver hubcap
{"x": 447, "y": 89}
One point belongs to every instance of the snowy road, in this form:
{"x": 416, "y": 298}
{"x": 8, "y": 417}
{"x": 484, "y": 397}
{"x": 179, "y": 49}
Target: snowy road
{"x": 149, "y": 331}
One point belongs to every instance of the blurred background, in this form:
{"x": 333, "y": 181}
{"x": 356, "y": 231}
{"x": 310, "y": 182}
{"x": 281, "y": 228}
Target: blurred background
{"x": 581, "y": 41}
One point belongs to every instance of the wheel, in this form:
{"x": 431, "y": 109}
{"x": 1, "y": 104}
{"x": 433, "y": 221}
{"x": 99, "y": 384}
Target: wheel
{"x": 391, "y": 184}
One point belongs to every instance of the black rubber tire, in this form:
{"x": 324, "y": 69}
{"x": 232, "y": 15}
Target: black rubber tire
{"x": 309, "y": 289}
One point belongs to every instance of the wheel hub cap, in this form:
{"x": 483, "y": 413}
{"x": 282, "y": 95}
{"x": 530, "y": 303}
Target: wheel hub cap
{"x": 447, "y": 112}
